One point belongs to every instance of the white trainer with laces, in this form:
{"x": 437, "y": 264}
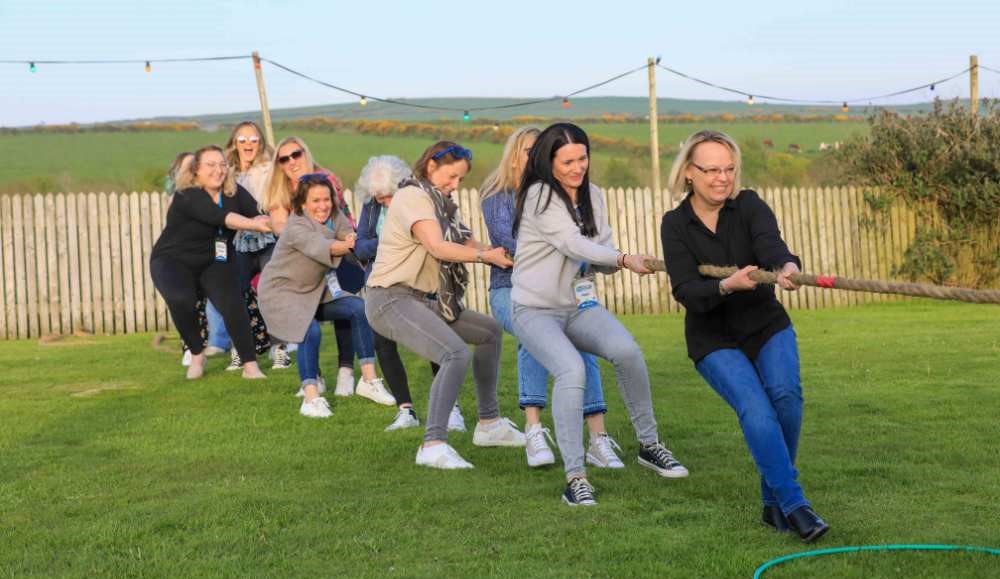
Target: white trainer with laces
{"x": 536, "y": 448}
{"x": 320, "y": 386}
{"x": 405, "y": 418}
{"x": 280, "y": 360}
{"x": 502, "y": 432}
{"x": 601, "y": 452}
{"x": 345, "y": 382}
{"x": 375, "y": 391}
{"x": 316, "y": 408}
{"x": 235, "y": 362}
{"x": 455, "y": 420}
{"x": 186, "y": 358}
{"x": 441, "y": 456}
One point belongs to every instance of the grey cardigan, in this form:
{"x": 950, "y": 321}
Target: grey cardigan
{"x": 550, "y": 250}
{"x": 293, "y": 283}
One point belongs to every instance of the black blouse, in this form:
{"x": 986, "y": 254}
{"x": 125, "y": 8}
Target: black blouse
{"x": 746, "y": 234}
{"x": 193, "y": 223}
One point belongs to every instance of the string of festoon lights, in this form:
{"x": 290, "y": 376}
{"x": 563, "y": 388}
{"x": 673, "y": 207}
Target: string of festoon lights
{"x": 365, "y": 97}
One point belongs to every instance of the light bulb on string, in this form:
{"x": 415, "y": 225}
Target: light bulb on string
{"x": 466, "y": 116}
{"x": 149, "y": 67}
{"x": 32, "y": 67}
{"x": 364, "y": 101}
{"x": 749, "y": 100}
{"x": 496, "y": 126}
{"x": 932, "y": 87}
{"x": 843, "y": 107}
{"x": 566, "y": 104}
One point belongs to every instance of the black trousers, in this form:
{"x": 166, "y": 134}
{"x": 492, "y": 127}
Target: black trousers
{"x": 387, "y": 353}
{"x": 179, "y": 284}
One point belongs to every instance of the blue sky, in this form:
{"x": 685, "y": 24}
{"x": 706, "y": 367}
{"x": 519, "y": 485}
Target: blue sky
{"x": 824, "y": 49}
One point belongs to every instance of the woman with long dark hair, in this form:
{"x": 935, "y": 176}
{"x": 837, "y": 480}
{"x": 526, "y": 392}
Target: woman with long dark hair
{"x": 738, "y": 335}
{"x": 563, "y": 239}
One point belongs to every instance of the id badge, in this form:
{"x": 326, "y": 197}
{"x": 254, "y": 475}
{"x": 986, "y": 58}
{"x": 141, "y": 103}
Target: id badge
{"x": 221, "y": 251}
{"x": 585, "y": 291}
{"x": 333, "y": 284}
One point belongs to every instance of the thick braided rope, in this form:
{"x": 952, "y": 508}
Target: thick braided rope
{"x": 858, "y": 285}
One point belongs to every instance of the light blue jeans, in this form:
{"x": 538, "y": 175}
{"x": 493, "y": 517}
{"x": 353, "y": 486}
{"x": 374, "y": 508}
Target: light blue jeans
{"x": 532, "y": 377}
{"x": 767, "y": 397}
{"x": 555, "y": 337}
{"x": 217, "y": 334}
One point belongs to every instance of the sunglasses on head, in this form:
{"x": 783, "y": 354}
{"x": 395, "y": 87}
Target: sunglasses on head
{"x": 296, "y": 154}
{"x": 314, "y": 178}
{"x": 243, "y": 139}
{"x": 456, "y": 151}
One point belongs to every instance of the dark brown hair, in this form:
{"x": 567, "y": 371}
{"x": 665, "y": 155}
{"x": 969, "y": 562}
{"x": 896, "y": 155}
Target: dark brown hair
{"x": 302, "y": 192}
{"x": 420, "y": 167}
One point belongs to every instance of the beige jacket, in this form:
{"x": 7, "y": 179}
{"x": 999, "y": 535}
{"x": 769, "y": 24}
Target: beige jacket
{"x": 293, "y": 283}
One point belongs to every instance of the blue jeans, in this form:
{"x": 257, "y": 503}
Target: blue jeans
{"x": 532, "y": 377}
{"x": 217, "y": 334}
{"x": 362, "y": 338}
{"x": 767, "y": 397}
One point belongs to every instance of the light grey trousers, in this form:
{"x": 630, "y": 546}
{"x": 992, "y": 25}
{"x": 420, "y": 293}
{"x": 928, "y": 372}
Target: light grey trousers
{"x": 553, "y": 337}
{"x": 404, "y": 315}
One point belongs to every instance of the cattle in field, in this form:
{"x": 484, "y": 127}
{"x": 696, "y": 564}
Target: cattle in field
{"x": 769, "y": 143}
{"x": 794, "y": 148}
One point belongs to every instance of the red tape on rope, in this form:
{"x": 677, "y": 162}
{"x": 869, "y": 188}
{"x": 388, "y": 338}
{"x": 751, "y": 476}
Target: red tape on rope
{"x": 826, "y": 281}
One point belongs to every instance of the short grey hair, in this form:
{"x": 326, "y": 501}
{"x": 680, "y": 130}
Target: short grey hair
{"x": 381, "y": 177}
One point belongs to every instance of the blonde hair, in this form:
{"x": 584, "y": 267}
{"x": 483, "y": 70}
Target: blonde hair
{"x": 381, "y": 177}
{"x": 278, "y": 192}
{"x": 505, "y": 176}
{"x": 233, "y": 156}
{"x": 188, "y": 177}
{"x": 678, "y": 184}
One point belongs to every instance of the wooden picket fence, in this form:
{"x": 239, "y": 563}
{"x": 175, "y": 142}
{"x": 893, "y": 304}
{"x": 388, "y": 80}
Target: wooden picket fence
{"x": 80, "y": 261}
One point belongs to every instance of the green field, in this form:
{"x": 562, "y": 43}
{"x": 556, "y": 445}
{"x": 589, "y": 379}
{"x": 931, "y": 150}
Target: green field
{"x": 99, "y": 161}
{"x": 112, "y": 465}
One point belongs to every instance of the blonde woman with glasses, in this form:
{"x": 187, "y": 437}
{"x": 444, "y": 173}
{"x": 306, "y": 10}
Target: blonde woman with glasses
{"x": 738, "y": 335}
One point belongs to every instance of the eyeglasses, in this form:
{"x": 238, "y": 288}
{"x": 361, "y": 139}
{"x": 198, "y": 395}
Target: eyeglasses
{"x": 213, "y": 165}
{"x": 715, "y": 172}
{"x": 456, "y": 151}
{"x": 314, "y": 178}
{"x": 296, "y": 154}
{"x": 243, "y": 139}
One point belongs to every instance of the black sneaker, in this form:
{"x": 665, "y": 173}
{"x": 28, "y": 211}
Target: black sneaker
{"x": 579, "y": 493}
{"x": 658, "y": 458}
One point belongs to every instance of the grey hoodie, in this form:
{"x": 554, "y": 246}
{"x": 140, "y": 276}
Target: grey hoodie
{"x": 551, "y": 249}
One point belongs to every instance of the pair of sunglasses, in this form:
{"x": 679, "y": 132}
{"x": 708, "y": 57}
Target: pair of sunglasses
{"x": 296, "y": 154}
{"x": 456, "y": 151}
{"x": 243, "y": 139}
{"x": 313, "y": 178}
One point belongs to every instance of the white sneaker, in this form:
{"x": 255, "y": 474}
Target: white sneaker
{"x": 213, "y": 351}
{"x": 320, "y": 386}
{"x": 186, "y": 358}
{"x": 345, "y": 382}
{"x": 316, "y": 408}
{"x": 441, "y": 456}
{"x": 405, "y": 418}
{"x": 535, "y": 446}
{"x": 235, "y": 362}
{"x": 280, "y": 360}
{"x": 601, "y": 452}
{"x": 455, "y": 420}
{"x": 503, "y": 432}
{"x": 375, "y": 391}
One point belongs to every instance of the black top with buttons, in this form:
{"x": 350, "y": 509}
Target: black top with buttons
{"x": 193, "y": 224}
{"x": 746, "y": 234}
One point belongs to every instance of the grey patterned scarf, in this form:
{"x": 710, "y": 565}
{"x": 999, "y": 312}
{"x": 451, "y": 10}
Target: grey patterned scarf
{"x": 453, "y": 276}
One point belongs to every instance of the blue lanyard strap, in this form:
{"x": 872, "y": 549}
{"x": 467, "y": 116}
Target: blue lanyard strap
{"x": 220, "y": 207}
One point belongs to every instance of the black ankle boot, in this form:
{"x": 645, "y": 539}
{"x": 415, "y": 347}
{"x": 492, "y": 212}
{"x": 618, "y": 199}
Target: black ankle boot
{"x": 807, "y": 524}
{"x": 774, "y": 518}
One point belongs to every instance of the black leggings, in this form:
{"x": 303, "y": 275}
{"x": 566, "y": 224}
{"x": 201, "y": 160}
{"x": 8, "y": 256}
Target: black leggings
{"x": 180, "y": 284}
{"x": 387, "y": 353}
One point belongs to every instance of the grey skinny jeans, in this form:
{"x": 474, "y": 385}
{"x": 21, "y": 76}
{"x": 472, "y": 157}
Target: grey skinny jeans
{"x": 553, "y": 337}
{"x": 404, "y": 315}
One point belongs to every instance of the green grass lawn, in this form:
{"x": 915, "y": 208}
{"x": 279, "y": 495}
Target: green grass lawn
{"x": 112, "y": 465}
